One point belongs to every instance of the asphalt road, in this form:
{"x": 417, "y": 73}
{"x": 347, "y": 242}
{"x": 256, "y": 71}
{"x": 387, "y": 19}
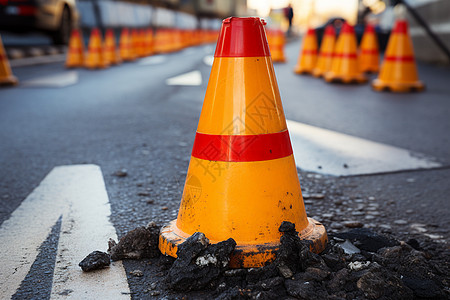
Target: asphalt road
{"x": 127, "y": 117}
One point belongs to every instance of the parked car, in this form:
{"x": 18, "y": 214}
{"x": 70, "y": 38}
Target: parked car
{"x": 54, "y": 17}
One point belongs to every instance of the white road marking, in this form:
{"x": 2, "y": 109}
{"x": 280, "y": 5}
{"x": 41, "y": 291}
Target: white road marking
{"x": 58, "y": 80}
{"x": 190, "y": 78}
{"x": 30, "y": 61}
{"x": 340, "y": 154}
{"x": 208, "y": 60}
{"x": 78, "y": 194}
{"x": 153, "y": 60}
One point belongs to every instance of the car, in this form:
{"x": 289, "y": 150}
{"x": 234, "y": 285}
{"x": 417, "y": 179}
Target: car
{"x": 53, "y": 17}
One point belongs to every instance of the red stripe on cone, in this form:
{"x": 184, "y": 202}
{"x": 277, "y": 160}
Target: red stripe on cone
{"x": 399, "y": 58}
{"x": 242, "y": 148}
{"x": 345, "y": 55}
{"x": 240, "y": 39}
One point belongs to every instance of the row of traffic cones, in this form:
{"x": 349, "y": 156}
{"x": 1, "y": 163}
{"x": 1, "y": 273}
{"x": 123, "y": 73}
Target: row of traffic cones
{"x": 133, "y": 44}
{"x": 340, "y": 61}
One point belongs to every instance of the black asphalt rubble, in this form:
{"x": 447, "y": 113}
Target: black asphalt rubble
{"x": 357, "y": 264}
{"x": 95, "y": 261}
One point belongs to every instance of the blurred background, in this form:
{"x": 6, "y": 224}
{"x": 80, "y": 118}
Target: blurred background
{"x": 29, "y": 22}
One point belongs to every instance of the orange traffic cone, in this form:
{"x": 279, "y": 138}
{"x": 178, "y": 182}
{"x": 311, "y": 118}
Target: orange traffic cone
{"x": 6, "y": 76}
{"x": 242, "y": 180}
{"x": 308, "y": 56}
{"x": 326, "y": 52}
{"x": 398, "y": 72}
{"x": 148, "y": 42}
{"x": 110, "y": 51}
{"x": 95, "y": 59}
{"x": 75, "y": 54}
{"x": 369, "y": 56}
{"x": 125, "y": 46}
{"x": 276, "y": 44}
{"x": 344, "y": 67}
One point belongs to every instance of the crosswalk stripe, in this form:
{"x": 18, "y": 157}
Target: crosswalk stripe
{"x": 78, "y": 194}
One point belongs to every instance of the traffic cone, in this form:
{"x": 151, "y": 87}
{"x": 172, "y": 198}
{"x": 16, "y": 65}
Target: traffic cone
{"x": 308, "y": 56}
{"x": 75, "y": 54}
{"x": 276, "y": 44}
{"x": 125, "y": 46}
{"x": 344, "y": 67}
{"x": 326, "y": 52}
{"x": 398, "y": 72}
{"x": 6, "y": 76}
{"x": 110, "y": 51}
{"x": 242, "y": 180}
{"x": 148, "y": 42}
{"x": 95, "y": 58}
{"x": 369, "y": 56}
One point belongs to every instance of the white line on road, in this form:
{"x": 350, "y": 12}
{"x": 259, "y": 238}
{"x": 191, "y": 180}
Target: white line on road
{"x": 78, "y": 194}
{"x": 190, "y": 78}
{"x": 329, "y": 152}
{"x": 208, "y": 60}
{"x": 58, "y": 80}
{"x": 152, "y": 60}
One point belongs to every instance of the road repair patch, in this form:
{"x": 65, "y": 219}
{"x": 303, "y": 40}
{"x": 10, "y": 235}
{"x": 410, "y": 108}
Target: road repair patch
{"x": 78, "y": 196}
{"x": 329, "y": 152}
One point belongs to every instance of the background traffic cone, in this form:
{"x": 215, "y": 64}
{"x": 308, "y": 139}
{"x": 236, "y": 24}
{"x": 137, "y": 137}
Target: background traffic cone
{"x": 242, "y": 180}
{"x": 276, "y": 44}
{"x": 369, "y": 56}
{"x": 325, "y": 56}
{"x": 111, "y": 54}
{"x": 308, "y": 55}
{"x": 125, "y": 46}
{"x": 148, "y": 42}
{"x": 344, "y": 67}
{"x": 6, "y": 76}
{"x": 75, "y": 54}
{"x": 95, "y": 59}
{"x": 398, "y": 72}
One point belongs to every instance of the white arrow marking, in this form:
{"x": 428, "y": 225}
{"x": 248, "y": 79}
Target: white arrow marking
{"x": 208, "y": 60}
{"x": 190, "y": 78}
{"x": 153, "y": 60}
{"x": 78, "y": 194}
{"x": 58, "y": 80}
{"x": 340, "y": 154}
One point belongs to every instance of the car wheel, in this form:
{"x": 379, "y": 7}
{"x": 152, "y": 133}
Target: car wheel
{"x": 62, "y": 35}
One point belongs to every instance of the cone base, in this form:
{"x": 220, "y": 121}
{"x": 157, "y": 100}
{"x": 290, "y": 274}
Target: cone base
{"x": 330, "y": 77}
{"x": 245, "y": 255}
{"x": 380, "y": 85}
{"x": 370, "y": 70}
{"x": 317, "y": 73}
{"x": 10, "y": 80}
{"x": 303, "y": 71}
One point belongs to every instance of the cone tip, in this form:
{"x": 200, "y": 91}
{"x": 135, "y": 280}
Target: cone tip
{"x": 311, "y": 31}
{"x": 242, "y": 37}
{"x": 370, "y": 28}
{"x": 347, "y": 28}
{"x": 401, "y": 26}
{"x": 329, "y": 30}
